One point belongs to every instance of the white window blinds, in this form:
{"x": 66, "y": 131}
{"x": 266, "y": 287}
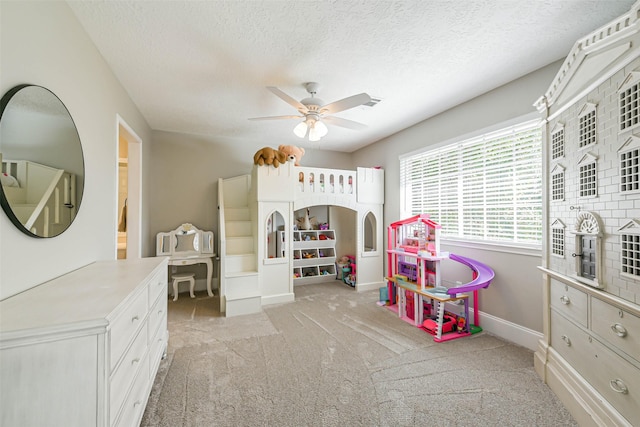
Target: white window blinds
{"x": 485, "y": 188}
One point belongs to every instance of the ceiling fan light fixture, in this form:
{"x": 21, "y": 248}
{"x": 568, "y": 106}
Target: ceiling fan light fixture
{"x": 301, "y": 129}
{"x": 321, "y": 128}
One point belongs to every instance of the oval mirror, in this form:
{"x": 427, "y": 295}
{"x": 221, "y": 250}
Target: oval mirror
{"x": 42, "y": 163}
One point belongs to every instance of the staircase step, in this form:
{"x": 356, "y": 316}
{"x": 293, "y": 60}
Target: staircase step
{"x": 240, "y": 263}
{"x": 237, "y": 214}
{"x": 238, "y": 228}
{"x": 239, "y": 245}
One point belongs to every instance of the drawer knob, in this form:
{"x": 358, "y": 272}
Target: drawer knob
{"x": 134, "y": 318}
{"x": 134, "y": 361}
{"x": 619, "y": 330}
{"x": 565, "y": 300}
{"x": 566, "y": 340}
{"x": 618, "y": 386}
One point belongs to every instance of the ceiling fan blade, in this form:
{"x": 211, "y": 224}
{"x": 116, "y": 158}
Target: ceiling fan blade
{"x": 276, "y": 117}
{"x": 349, "y": 124}
{"x": 289, "y": 100}
{"x": 345, "y": 104}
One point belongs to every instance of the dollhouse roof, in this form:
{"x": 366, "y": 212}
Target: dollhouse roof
{"x": 424, "y": 218}
{"x": 589, "y": 61}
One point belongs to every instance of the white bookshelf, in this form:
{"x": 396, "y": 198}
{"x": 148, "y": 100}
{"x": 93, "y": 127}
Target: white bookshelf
{"x": 314, "y": 256}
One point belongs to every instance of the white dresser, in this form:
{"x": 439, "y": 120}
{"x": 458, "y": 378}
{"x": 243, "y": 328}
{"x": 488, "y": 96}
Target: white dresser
{"x": 83, "y": 349}
{"x": 593, "y": 352}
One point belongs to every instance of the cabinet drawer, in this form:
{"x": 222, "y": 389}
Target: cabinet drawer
{"x": 616, "y": 326}
{"x": 133, "y": 407}
{"x": 126, "y": 326}
{"x": 616, "y": 379}
{"x": 158, "y": 286}
{"x": 126, "y": 371}
{"x": 157, "y": 347}
{"x": 570, "y": 342}
{"x": 569, "y": 301}
{"x": 158, "y": 316}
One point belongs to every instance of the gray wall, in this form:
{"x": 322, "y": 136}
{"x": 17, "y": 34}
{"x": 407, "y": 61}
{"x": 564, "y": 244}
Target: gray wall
{"x": 516, "y": 294}
{"x": 185, "y": 170}
{"x": 42, "y": 43}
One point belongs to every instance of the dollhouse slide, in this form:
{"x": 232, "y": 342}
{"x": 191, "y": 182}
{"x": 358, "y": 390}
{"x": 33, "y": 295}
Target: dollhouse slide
{"x": 483, "y": 275}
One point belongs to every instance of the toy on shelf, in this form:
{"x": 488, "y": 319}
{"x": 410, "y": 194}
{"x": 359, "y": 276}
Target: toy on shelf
{"x": 414, "y": 283}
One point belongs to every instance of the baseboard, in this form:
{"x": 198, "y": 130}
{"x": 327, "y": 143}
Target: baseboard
{"x": 241, "y": 306}
{"x": 278, "y": 299}
{"x": 360, "y": 287}
{"x": 509, "y": 331}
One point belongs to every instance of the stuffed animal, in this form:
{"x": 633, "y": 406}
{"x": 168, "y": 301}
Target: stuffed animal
{"x": 269, "y": 156}
{"x": 292, "y": 150}
{"x": 343, "y": 260}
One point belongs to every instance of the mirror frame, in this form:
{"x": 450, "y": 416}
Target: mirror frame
{"x": 4, "y": 202}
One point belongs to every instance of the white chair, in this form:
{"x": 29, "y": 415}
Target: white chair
{"x": 183, "y": 277}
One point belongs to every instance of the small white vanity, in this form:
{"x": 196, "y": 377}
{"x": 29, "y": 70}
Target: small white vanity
{"x": 84, "y": 349}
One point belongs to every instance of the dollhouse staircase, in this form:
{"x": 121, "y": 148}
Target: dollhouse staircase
{"x": 239, "y": 284}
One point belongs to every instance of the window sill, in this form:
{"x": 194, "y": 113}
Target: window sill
{"x": 512, "y": 248}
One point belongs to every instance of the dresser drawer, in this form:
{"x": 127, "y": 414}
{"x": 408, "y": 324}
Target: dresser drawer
{"x": 157, "y": 346}
{"x": 569, "y": 301}
{"x": 570, "y": 342}
{"x": 158, "y": 315}
{"x": 126, "y": 325}
{"x": 137, "y": 399}
{"x": 158, "y": 286}
{"x": 126, "y": 371}
{"x": 616, "y": 379}
{"x": 616, "y": 326}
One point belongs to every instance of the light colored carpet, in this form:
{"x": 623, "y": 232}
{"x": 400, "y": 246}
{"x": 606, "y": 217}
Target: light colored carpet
{"x": 335, "y": 358}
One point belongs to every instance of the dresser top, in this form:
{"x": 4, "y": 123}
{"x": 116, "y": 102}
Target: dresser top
{"x": 84, "y": 298}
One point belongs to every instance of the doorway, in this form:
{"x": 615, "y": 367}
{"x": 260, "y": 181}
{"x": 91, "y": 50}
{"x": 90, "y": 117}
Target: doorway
{"x": 129, "y": 195}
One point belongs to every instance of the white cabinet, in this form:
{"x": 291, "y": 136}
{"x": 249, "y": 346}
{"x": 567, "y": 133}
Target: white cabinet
{"x": 596, "y": 337}
{"x": 314, "y": 256}
{"x": 83, "y": 349}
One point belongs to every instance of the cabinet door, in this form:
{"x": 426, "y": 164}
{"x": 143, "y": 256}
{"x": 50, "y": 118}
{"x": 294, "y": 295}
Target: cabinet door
{"x": 50, "y": 384}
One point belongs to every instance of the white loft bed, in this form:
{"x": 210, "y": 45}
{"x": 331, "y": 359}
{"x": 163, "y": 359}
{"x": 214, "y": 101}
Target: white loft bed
{"x": 44, "y": 199}
{"x": 249, "y": 278}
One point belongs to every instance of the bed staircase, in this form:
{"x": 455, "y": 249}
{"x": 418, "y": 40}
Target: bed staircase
{"x": 239, "y": 280}
{"x": 45, "y": 200}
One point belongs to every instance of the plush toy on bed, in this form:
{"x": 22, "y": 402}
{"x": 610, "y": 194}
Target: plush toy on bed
{"x": 292, "y": 150}
{"x": 269, "y": 156}
{"x": 8, "y": 181}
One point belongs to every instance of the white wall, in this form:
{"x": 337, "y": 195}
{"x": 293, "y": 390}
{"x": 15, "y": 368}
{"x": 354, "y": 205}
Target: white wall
{"x": 515, "y": 295}
{"x": 42, "y": 43}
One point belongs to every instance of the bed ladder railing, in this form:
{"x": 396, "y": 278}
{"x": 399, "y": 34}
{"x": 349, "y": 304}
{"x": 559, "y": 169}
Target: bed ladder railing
{"x": 45, "y": 203}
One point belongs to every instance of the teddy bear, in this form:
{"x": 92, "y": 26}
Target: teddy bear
{"x": 269, "y": 156}
{"x": 292, "y": 150}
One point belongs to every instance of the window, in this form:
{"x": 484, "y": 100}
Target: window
{"x": 557, "y": 183}
{"x": 484, "y": 188}
{"x": 588, "y": 176}
{"x": 629, "y": 102}
{"x": 630, "y": 249}
{"x": 557, "y": 142}
{"x": 557, "y": 238}
{"x": 587, "y": 125}
{"x": 629, "y": 156}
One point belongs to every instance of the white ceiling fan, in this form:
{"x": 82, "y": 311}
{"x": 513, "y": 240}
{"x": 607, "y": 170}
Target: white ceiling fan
{"x": 315, "y": 112}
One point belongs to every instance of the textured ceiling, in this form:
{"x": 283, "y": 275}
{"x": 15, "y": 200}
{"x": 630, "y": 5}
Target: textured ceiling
{"x": 201, "y": 67}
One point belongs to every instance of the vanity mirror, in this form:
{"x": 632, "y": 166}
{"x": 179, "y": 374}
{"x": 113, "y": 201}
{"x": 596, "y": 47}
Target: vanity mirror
{"x": 42, "y": 163}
